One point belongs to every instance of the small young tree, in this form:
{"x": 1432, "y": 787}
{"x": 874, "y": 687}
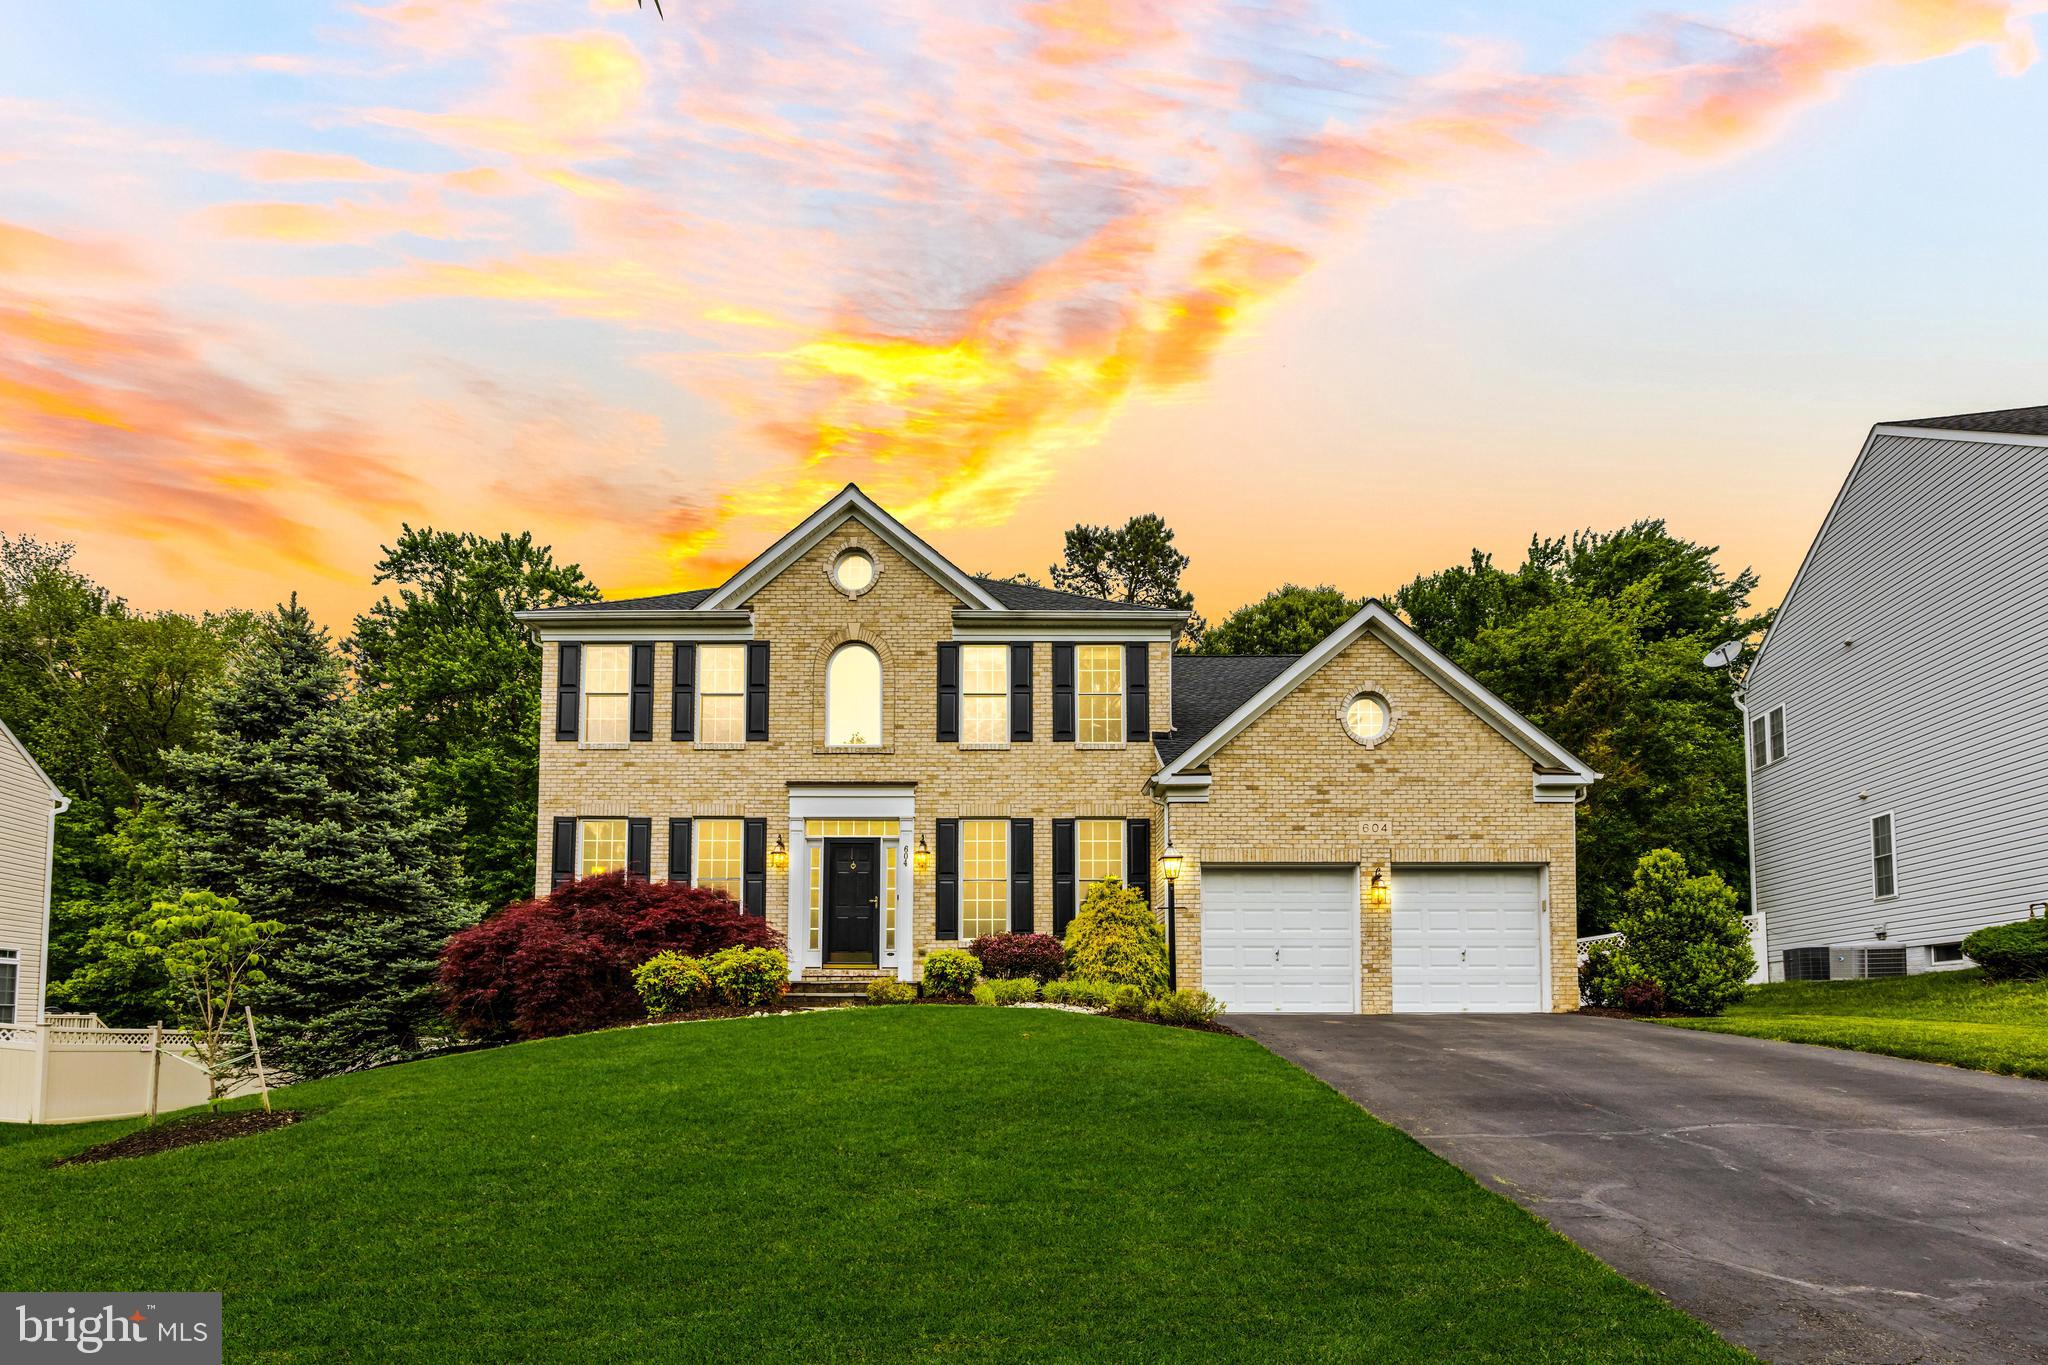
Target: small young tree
{"x": 1116, "y": 938}
{"x": 212, "y": 951}
{"x": 1683, "y": 933}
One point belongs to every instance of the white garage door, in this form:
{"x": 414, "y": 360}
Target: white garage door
{"x": 1281, "y": 939}
{"x": 1467, "y": 939}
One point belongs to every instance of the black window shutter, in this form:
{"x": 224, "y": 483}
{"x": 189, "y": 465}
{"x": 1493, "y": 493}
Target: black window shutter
{"x": 1137, "y": 693}
{"x": 564, "y": 858}
{"x": 948, "y": 885}
{"x": 1020, "y": 694}
{"x": 754, "y": 868}
{"x": 1062, "y": 875}
{"x": 1021, "y": 908}
{"x": 568, "y": 690}
{"x": 1063, "y": 694}
{"x": 1138, "y": 857}
{"x": 757, "y": 691}
{"x": 683, "y": 721}
{"x": 643, "y": 692}
{"x": 639, "y": 849}
{"x": 949, "y": 694}
{"x": 679, "y": 850}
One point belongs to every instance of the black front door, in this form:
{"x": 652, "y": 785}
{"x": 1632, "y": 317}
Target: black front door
{"x": 853, "y": 900}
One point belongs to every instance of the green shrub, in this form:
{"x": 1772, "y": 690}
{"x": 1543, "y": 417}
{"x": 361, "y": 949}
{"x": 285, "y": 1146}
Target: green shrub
{"x": 1185, "y": 1006}
{"x": 1116, "y": 938}
{"x": 748, "y": 976}
{"x": 2011, "y": 952}
{"x": 887, "y": 990}
{"x": 1075, "y": 990}
{"x": 1679, "y": 932}
{"x": 951, "y": 972}
{"x": 1009, "y": 990}
{"x": 669, "y": 983}
{"x": 1125, "y": 998}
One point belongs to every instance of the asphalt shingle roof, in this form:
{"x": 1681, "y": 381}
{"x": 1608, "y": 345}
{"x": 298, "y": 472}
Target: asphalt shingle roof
{"x": 1207, "y": 688}
{"x": 1031, "y": 597}
{"x": 668, "y": 601}
{"x": 2004, "y": 422}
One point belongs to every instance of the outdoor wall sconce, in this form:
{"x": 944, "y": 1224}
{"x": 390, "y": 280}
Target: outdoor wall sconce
{"x": 778, "y": 857}
{"x": 1378, "y": 889}
{"x": 1169, "y": 863}
{"x": 922, "y": 859}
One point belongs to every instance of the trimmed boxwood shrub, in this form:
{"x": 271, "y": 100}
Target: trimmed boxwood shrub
{"x": 1116, "y": 938}
{"x": 670, "y": 983}
{"x": 564, "y": 962}
{"x": 887, "y": 990}
{"x": 951, "y": 972}
{"x": 748, "y": 976}
{"x": 2011, "y": 952}
{"x": 1038, "y": 956}
{"x": 1078, "y": 990}
{"x": 1680, "y": 934}
{"x": 1009, "y": 990}
{"x": 1125, "y": 998}
{"x": 1185, "y": 1006}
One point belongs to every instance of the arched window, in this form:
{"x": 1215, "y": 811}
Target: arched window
{"x": 853, "y": 696}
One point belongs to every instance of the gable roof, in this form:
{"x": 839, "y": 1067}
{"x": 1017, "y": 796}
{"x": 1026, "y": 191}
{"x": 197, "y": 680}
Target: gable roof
{"x": 1545, "y": 753}
{"x": 2001, "y": 422}
{"x": 1207, "y": 688}
{"x": 848, "y": 502}
{"x": 1032, "y": 597}
{"x": 63, "y": 802}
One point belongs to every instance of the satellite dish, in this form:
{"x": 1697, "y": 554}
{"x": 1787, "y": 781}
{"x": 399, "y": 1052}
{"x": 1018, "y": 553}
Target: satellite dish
{"x": 1720, "y": 656}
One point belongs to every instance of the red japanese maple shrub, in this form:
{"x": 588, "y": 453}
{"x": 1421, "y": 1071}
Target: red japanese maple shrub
{"x": 1039, "y": 956}
{"x": 564, "y": 963}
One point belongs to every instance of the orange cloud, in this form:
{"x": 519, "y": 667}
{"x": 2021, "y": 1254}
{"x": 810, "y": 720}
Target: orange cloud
{"x": 344, "y": 222}
{"x": 288, "y": 167}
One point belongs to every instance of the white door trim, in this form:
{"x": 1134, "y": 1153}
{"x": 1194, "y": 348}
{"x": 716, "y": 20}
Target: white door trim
{"x": 822, "y": 802}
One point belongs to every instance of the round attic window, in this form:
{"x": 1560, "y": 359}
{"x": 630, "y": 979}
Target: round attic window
{"x": 853, "y": 572}
{"x": 1368, "y": 718}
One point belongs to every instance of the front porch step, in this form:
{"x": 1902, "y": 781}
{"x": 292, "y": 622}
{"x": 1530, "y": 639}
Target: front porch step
{"x": 828, "y": 987}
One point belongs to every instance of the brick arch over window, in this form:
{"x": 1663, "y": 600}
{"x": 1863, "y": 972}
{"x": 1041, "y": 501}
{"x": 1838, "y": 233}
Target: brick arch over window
{"x": 821, "y": 678}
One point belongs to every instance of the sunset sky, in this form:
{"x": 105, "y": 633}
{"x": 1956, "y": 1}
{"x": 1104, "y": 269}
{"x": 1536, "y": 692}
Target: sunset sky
{"x": 1340, "y": 289}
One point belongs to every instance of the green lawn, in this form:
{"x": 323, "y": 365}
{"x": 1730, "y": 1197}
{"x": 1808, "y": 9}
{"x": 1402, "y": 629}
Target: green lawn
{"x": 974, "y": 1184}
{"x": 1953, "y": 1017}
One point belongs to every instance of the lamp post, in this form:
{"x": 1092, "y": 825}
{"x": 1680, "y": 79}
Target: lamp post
{"x": 1169, "y": 868}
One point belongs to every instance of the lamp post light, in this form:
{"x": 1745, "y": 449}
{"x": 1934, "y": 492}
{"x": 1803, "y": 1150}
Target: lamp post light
{"x": 1169, "y": 868}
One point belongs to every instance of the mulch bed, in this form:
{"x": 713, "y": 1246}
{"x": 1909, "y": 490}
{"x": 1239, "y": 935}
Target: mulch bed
{"x": 167, "y": 1137}
{"x": 1603, "y": 1012}
{"x": 714, "y": 1012}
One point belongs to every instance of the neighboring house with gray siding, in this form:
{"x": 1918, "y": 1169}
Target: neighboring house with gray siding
{"x": 1897, "y": 713}
{"x": 29, "y": 806}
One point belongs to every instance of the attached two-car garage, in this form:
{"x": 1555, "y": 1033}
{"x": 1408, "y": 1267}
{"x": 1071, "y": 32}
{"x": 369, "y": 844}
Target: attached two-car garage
{"x": 1279, "y": 939}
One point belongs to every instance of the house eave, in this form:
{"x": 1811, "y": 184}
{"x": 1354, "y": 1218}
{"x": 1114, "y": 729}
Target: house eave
{"x": 673, "y": 623}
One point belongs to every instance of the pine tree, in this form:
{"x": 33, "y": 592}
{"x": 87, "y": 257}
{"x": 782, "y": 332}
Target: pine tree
{"x": 299, "y": 808}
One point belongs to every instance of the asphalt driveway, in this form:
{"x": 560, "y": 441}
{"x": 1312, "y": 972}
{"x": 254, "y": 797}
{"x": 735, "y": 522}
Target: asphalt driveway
{"x": 1809, "y": 1204}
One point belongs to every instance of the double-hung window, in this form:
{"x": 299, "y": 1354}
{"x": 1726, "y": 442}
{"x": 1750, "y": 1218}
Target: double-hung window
{"x": 10, "y": 980}
{"x": 1098, "y": 854}
{"x": 984, "y": 694}
{"x": 601, "y": 847}
{"x": 984, "y": 877}
{"x": 1767, "y": 738}
{"x": 607, "y": 687}
{"x": 721, "y": 694}
{"x": 720, "y": 863}
{"x": 1099, "y": 694}
{"x": 1884, "y": 875}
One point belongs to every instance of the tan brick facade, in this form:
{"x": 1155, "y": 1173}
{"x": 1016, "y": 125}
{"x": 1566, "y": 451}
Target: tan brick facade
{"x": 1295, "y": 788}
{"x": 1292, "y": 788}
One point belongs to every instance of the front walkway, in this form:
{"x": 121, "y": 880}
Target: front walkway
{"x": 1809, "y": 1204}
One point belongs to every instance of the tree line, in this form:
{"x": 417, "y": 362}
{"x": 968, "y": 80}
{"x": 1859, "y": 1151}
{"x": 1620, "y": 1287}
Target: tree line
{"x": 372, "y": 795}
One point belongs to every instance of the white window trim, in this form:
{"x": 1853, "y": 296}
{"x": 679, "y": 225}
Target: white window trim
{"x": 1891, "y": 826}
{"x": 1758, "y": 739}
{"x": 625, "y": 842}
{"x": 882, "y": 699}
{"x": 1002, "y": 694}
{"x": 1775, "y": 744}
{"x": 698, "y": 694}
{"x": 587, "y": 696}
{"x": 11, "y": 957}
{"x": 1122, "y": 694}
{"x": 1123, "y": 853}
{"x": 1003, "y": 842}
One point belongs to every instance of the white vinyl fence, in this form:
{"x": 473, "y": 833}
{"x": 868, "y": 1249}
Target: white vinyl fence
{"x": 1754, "y": 925}
{"x": 74, "y": 1068}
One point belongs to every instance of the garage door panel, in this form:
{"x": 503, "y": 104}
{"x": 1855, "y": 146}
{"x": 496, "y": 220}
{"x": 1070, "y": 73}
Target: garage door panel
{"x": 1467, "y": 939}
{"x": 1280, "y": 939}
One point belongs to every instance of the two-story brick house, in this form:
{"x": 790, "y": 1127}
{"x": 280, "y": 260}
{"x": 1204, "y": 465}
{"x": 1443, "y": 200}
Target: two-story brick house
{"x": 882, "y": 754}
